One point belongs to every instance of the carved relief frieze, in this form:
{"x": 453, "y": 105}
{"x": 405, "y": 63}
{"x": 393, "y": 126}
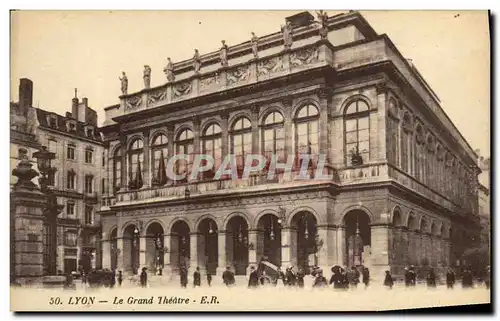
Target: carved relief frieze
{"x": 157, "y": 95}
{"x": 269, "y": 66}
{"x": 240, "y": 74}
{"x": 134, "y": 102}
{"x": 210, "y": 81}
{"x": 182, "y": 89}
{"x": 304, "y": 56}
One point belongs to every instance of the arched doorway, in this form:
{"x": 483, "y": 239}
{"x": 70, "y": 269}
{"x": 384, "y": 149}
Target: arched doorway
{"x": 357, "y": 236}
{"x": 113, "y": 249}
{"x": 237, "y": 244}
{"x": 154, "y": 246}
{"x": 208, "y": 245}
{"x": 270, "y": 235}
{"x": 179, "y": 245}
{"x": 305, "y": 227}
{"x": 131, "y": 247}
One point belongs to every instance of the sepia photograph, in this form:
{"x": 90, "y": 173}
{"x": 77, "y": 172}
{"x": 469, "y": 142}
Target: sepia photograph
{"x": 249, "y": 161}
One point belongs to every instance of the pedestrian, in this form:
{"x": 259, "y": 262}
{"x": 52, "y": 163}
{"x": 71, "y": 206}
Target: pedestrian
{"x": 450, "y": 278}
{"x": 366, "y": 276}
{"x": 336, "y": 278}
{"x": 300, "y": 278}
{"x": 431, "y": 279}
{"x": 353, "y": 277}
{"x": 253, "y": 278}
{"x": 281, "y": 276}
{"x": 144, "y": 277}
{"x": 84, "y": 277}
{"x": 412, "y": 276}
{"x": 196, "y": 277}
{"x": 209, "y": 278}
{"x": 264, "y": 278}
{"x": 290, "y": 277}
{"x": 345, "y": 279}
{"x": 183, "y": 276}
{"x": 228, "y": 277}
{"x": 388, "y": 281}
{"x": 467, "y": 279}
{"x": 320, "y": 280}
{"x": 407, "y": 277}
{"x": 487, "y": 277}
{"x": 120, "y": 278}
{"x": 113, "y": 278}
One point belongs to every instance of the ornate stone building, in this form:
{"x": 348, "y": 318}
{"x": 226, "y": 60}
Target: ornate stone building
{"x": 404, "y": 183}
{"x": 76, "y": 178}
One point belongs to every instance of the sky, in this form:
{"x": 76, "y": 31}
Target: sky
{"x": 88, "y": 50}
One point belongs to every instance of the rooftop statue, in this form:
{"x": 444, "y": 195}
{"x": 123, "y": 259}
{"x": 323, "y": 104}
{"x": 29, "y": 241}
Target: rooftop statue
{"x": 223, "y": 54}
{"x": 287, "y": 31}
{"x": 255, "y": 45}
{"x": 124, "y": 82}
{"x": 169, "y": 70}
{"x": 147, "y": 76}
{"x": 323, "y": 20}
{"x": 196, "y": 61}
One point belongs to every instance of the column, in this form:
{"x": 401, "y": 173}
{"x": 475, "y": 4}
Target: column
{"x": 167, "y": 268}
{"x": 196, "y": 133}
{"x": 293, "y": 246}
{"x": 340, "y": 248}
{"x": 378, "y": 127}
{"x": 323, "y": 254}
{"x": 221, "y": 243}
{"x": 120, "y": 264}
{"x": 106, "y": 254}
{"x": 288, "y": 127}
{"x": 380, "y": 250}
{"x": 252, "y": 250}
{"x": 193, "y": 262}
{"x": 202, "y": 258}
{"x": 255, "y": 129}
{"x": 324, "y": 138}
{"x": 147, "y": 158}
{"x": 259, "y": 245}
{"x": 170, "y": 143}
{"x": 229, "y": 249}
{"x": 142, "y": 253}
{"x": 286, "y": 248}
{"x": 225, "y": 134}
{"x": 124, "y": 177}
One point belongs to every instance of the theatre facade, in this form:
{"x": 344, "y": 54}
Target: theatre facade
{"x": 403, "y": 187}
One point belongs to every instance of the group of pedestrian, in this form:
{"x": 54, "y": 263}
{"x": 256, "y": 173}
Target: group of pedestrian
{"x": 289, "y": 278}
{"x": 342, "y": 278}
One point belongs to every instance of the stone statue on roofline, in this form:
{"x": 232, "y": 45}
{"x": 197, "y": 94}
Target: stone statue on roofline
{"x": 255, "y": 45}
{"x": 147, "y": 76}
{"x": 287, "y": 31}
{"x": 223, "y": 54}
{"x": 196, "y": 61}
{"x": 169, "y": 70}
{"x": 124, "y": 82}
{"x": 323, "y": 20}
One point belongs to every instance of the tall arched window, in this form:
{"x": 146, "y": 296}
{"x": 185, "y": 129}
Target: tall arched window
{"x": 184, "y": 145}
{"x": 406, "y": 144}
{"x": 211, "y": 142}
{"x": 241, "y": 141}
{"x": 117, "y": 169}
{"x": 136, "y": 161}
{"x": 440, "y": 167}
{"x": 357, "y": 132}
{"x": 273, "y": 136}
{"x": 307, "y": 131}
{"x": 430, "y": 162}
{"x": 159, "y": 152}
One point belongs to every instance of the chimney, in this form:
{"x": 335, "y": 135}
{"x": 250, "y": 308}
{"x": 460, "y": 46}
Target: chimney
{"x": 25, "y": 94}
{"x": 85, "y": 101}
{"x": 74, "y": 105}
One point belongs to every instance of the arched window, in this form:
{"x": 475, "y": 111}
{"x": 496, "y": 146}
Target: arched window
{"x": 273, "y": 136}
{"x": 406, "y": 144}
{"x": 440, "y": 167}
{"x": 430, "y": 163}
{"x": 307, "y": 131}
{"x": 136, "y": 161}
{"x": 211, "y": 142}
{"x": 159, "y": 152}
{"x": 184, "y": 145}
{"x": 357, "y": 133}
{"x": 241, "y": 141}
{"x": 117, "y": 169}
{"x": 419, "y": 153}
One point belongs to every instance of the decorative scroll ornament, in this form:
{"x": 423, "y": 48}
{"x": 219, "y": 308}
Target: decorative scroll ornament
{"x": 304, "y": 56}
{"x": 209, "y": 81}
{"x": 269, "y": 66}
{"x": 133, "y": 102}
{"x": 156, "y": 96}
{"x": 237, "y": 75}
{"x": 182, "y": 89}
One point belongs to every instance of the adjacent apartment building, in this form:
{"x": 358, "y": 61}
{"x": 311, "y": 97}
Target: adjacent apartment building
{"x": 403, "y": 187}
{"x": 77, "y": 170}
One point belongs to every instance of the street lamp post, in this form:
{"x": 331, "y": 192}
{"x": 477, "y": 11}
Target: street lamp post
{"x": 52, "y": 210}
